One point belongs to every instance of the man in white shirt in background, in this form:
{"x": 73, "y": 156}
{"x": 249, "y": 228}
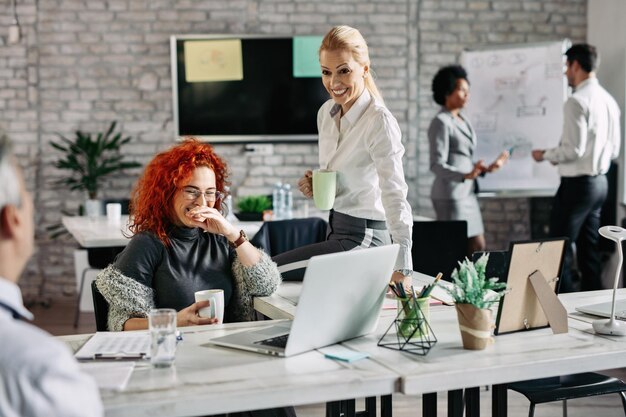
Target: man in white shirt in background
{"x": 590, "y": 140}
{"x": 38, "y": 376}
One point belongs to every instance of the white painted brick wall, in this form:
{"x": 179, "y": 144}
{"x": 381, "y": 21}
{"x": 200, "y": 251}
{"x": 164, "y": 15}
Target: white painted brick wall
{"x": 83, "y": 63}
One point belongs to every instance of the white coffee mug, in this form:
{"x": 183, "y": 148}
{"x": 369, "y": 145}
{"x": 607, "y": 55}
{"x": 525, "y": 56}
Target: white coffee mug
{"x": 114, "y": 213}
{"x": 216, "y": 308}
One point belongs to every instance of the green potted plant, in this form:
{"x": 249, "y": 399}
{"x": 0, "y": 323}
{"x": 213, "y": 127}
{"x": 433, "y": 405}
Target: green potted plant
{"x": 251, "y": 207}
{"x": 90, "y": 158}
{"x": 473, "y": 296}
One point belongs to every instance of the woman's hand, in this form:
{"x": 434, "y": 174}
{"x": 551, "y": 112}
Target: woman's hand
{"x": 479, "y": 168}
{"x": 405, "y": 280}
{"x": 189, "y": 316}
{"x": 305, "y": 184}
{"x": 499, "y": 162}
{"x": 212, "y": 221}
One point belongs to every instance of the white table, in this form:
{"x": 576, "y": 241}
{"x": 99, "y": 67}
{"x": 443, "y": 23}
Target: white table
{"x": 513, "y": 357}
{"x": 98, "y": 233}
{"x": 210, "y": 380}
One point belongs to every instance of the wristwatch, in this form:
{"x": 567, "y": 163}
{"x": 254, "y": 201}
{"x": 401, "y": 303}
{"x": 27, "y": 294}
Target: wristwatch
{"x": 242, "y": 238}
{"x": 405, "y": 272}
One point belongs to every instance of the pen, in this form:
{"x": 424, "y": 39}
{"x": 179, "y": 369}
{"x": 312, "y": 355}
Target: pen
{"x": 428, "y": 289}
{"x": 119, "y": 356}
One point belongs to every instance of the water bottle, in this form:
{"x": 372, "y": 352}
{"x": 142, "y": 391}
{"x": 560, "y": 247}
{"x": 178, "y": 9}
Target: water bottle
{"x": 277, "y": 201}
{"x": 288, "y": 202}
{"x": 228, "y": 202}
{"x": 281, "y": 202}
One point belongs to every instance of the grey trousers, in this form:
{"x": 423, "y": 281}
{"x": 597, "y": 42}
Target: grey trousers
{"x": 345, "y": 233}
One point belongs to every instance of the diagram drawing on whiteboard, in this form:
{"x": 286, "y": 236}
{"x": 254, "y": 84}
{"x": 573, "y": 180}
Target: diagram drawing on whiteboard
{"x": 517, "y": 105}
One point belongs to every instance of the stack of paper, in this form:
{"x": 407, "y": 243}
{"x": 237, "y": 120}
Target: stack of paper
{"x": 116, "y": 345}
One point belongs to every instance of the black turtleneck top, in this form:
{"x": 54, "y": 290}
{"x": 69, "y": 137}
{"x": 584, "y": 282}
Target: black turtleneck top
{"x": 194, "y": 261}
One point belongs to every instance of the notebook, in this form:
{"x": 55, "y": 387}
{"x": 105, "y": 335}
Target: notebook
{"x": 604, "y": 309}
{"x": 341, "y": 298}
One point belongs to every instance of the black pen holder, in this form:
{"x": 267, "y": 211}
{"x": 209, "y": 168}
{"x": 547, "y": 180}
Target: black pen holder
{"x": 410, "y": 330}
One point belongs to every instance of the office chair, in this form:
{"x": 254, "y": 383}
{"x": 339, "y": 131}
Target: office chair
{"x": 99, "y": 258}
{"x": 498, "y": 264}
{"x": 100, "y": 308}
{"x": 563, "y": 388}
{"x": 284, "y": 235}
{"x": 438, "y": 246}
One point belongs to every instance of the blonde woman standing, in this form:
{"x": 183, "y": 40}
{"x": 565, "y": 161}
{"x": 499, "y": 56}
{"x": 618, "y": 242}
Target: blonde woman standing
{"x": 359, "y": 139}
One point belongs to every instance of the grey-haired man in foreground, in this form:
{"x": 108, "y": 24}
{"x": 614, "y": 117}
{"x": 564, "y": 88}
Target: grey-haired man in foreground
{"x": 39, "y": 376}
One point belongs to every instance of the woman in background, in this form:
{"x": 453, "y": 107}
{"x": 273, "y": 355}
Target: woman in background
{"x": 182, "y": 244}
{"x": 452, "y": 143}
{"x": 361, "y": 140}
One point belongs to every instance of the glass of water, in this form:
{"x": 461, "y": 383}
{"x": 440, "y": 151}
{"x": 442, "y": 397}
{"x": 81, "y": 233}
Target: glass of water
{"x": 163, "y": 337}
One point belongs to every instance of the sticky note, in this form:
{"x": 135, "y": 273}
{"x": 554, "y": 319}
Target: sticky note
{"x": 342, "y": 353}
{"x": 305, "y": 56}
{"x": 213, "y": 60}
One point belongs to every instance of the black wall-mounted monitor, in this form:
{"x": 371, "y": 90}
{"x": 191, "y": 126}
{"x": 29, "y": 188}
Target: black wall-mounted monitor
{"x": 237, "y": 89}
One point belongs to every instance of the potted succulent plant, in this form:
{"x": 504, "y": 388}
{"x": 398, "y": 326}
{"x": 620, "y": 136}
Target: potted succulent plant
{"x": 473, "y": 294}
{"x": 251, "y": 207}
{"x": 90, "y": 158}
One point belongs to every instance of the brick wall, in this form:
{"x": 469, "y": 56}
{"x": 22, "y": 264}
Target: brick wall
{"x": 82, "y": 64}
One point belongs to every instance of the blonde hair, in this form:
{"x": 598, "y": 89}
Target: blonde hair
{"x": 350, "y": 39}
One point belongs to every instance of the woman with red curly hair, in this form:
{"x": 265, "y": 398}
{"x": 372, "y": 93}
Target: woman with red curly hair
{"x": 182, "y": 244}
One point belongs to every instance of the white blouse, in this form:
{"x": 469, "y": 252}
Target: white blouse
{"x": 366, "y": 151}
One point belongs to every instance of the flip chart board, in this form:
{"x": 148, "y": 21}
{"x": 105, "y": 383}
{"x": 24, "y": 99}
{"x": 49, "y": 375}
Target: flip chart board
{"x": 516, "y": 104}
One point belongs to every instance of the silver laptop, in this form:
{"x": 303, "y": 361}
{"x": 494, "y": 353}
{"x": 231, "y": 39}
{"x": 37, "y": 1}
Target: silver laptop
{"x": 604, "y": 309}
{"x": 341, "y": 298}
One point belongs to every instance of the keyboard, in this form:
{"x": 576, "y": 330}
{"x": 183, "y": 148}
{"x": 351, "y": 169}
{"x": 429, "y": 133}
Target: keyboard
{"x": 278, "y": 341}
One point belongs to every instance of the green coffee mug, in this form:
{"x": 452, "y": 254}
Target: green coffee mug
{"x": 324, "y": 188}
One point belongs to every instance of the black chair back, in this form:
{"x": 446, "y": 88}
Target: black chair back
{"x": 100, "y": 308}
{"x": 498, "y": 264}
{"x": 100, "y": 258}
{"x": 438, "y": 246}
{"x": 284, "y": 235}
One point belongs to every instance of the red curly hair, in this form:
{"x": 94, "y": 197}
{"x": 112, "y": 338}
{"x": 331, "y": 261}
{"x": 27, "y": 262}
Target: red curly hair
{"x": 151, "y": 200}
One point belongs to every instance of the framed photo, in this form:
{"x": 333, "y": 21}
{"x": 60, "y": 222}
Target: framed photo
{"x": 520, "y": 309}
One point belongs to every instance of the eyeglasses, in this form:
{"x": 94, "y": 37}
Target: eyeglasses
{"x": 191, "y": 194}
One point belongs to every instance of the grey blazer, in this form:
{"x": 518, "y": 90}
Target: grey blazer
{"x": 452, "y": 144}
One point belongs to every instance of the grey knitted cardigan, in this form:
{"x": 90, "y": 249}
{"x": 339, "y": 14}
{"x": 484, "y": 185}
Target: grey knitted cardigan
{"x": 128, "y": 298}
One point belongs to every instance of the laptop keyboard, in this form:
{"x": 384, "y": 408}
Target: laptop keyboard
{"x": 278, "y": 341}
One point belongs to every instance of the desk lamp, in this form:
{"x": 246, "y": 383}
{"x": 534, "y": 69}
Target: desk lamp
{"x": 612, "y": 326}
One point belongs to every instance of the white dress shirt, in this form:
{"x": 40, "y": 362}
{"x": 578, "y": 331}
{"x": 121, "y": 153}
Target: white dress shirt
{"x": 39, "y": 376}
{"x": 366, "y": 151}
{"x": 591, "y": 132}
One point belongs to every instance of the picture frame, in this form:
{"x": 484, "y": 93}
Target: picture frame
{"x": 520, "y": 308}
